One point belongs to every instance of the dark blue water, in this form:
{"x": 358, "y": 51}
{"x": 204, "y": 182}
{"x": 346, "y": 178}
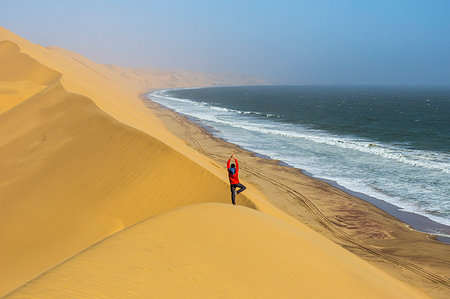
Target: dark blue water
{"x": 392, "y": 143}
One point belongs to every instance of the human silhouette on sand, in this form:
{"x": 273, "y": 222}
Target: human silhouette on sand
{"x": 233, "y": 171}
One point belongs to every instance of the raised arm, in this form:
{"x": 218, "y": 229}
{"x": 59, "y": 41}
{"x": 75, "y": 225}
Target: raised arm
{"x": 235, "y": 162}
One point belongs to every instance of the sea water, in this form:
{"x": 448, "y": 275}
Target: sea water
{"x": 391, "y": 143}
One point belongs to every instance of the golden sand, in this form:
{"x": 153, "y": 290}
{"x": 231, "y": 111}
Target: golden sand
{"x": 20, "y": 76}
{"x": 70, "y": 174}
{"x": 215, "y": 251}
{"x": 82, "y": 158}
{"x": 413, "y": 257}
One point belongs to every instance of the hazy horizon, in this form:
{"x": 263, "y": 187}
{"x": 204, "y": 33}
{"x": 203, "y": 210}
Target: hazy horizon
{"x": 287, "y": 42}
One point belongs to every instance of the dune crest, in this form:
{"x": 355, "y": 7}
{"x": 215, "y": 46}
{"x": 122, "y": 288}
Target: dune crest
{"x": 18, "y": 66}
{"x": 214, "y": 250}
{"x": 86, "y": 176}
{"x": 20, "y": 76}
{"x": 71, "y": 174}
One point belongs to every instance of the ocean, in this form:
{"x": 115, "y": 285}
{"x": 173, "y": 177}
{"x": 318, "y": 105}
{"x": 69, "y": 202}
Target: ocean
{"x": 387, "y": 143}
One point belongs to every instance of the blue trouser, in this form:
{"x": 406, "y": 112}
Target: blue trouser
{"x": 233, "y": 191}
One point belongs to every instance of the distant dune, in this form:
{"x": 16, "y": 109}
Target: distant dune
{"x": 20, "y": 76}
{"x": 82, "y": 158}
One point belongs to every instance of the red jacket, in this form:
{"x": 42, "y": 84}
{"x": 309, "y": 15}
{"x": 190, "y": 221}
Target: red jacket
{"x": 234, "y": 179}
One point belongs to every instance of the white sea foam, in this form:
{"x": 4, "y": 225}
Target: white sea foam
{"x": 413, "y": 157}
{"x": 384, "y": 171}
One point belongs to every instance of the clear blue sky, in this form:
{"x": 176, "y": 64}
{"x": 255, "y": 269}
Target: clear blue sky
{"x": 313, "y": 42}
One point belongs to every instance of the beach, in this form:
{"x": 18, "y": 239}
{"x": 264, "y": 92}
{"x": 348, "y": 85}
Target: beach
{"x": 106, "y": 194}
{"x": 351, "y": 222}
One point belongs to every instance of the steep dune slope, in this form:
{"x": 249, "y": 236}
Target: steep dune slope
{"x": 116, "y": 90}
{"x": 70, "y": 175}
{"x": 18, "y": 66}
{"x": 210, "y": 251}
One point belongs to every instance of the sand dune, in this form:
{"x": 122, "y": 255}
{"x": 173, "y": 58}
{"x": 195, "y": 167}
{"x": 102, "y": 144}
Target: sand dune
{"x": 210, "y": 251}
{"x": 14, "y": 92}
{"x": 75, "y": 175}
{"x": 18, "y": 66}
{"x": 82, "y": 158}
{"x": 20, "y": 76}
{"x": 70, "y": 174}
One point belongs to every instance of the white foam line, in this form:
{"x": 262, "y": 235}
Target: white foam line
{"x": 411, "y": 157}
{"x": 219, "y": 115}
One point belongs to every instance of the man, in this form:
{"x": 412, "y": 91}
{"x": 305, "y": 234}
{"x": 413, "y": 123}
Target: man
{"x": 233, "y": 170}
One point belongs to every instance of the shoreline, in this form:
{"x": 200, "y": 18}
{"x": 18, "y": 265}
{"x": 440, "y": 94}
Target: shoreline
{"x": 349, "y": 221}
{"x": 411, "y": 219}
{"x": 416, "y": 221}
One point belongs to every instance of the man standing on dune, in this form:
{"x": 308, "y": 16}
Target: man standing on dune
{"x": 234, "y": 179}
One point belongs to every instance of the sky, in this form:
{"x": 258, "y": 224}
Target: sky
{"x": 395, "y": 42}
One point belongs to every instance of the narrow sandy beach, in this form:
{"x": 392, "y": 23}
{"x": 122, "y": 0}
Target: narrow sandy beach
{"x": 354, "y": 224}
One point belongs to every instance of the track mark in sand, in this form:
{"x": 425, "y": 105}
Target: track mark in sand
{"x": 349, "y": 240}
{"x": 189, "y": 135}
